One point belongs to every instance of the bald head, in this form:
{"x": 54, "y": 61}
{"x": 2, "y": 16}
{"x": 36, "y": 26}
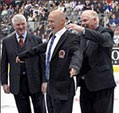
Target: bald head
{"x": 56, "y": 20}
{"x": 59, "y": 14}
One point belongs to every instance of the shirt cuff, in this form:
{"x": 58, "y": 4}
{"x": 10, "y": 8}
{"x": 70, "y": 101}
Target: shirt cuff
{"x": 84, "y": 31}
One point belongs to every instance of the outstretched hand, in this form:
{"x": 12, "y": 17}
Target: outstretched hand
{"x": 6, "y": 88}
{"x": 75, "y": 27}
{"x": 44, "y": 87}
{"x": 73, "y": 72}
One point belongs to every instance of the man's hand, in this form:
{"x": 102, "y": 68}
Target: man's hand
{"x": 75, "y": 27}
{"x": 6, "y": 88}
{"x": 44, "y": 87}
{"x": 73, "y": 72}
{"x": 18, "y": 60}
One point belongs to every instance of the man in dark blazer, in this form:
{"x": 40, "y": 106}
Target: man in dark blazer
{"x": 96, "y": 77}
{"x": 60, "y": 84}
{"x": 25, "y": 78}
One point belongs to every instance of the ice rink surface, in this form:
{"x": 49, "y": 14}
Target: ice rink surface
{"x": 8, "y": 103}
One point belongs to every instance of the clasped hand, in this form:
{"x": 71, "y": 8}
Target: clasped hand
{"x": 18, "y": 60}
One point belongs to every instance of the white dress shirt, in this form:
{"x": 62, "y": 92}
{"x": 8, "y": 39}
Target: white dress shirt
{"x": 24, "y": 36}
{"x": 56, "y": 40}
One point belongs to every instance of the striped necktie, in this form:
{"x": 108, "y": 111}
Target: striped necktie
{"x": 48, "y": 57}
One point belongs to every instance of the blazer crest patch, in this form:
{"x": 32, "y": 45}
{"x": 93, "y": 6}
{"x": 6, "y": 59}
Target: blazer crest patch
{"x": 61, "y": 54}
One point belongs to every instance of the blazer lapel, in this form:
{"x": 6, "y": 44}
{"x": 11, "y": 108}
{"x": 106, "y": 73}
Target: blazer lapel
{"x": 14, "y": 44}
{"x": 84, "y": 42}
{"x": 14, "y": 41}
{"x": 27, "y": 43}
{"x": 88, "y": 42}
{"x": 61, "y": 41}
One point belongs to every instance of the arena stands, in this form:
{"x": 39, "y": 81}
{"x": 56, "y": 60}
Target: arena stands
{"x": 36, "y": 12}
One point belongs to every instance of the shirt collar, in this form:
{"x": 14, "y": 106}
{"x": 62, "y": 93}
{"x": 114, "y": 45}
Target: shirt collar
{"x": 61, "y": 32}
{"x": 24, "y": 35}
{"x": 97, "y": 27}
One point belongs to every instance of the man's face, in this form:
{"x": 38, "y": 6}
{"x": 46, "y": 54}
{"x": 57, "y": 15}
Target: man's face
{"x": 88, "y": 22}
{"x": 20, "y": 26}
{"x": 55, "y": 23}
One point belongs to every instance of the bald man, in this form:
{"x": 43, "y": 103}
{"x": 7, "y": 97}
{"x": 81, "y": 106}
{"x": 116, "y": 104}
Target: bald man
{"x": 63, "y": 64}
{"x": 96, "y": 75}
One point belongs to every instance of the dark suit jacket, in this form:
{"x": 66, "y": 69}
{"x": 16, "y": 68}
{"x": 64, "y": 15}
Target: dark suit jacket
{"x": 60, "y": 84}
{"x": 9, "y": 52}
{"x": 97, "y": 64}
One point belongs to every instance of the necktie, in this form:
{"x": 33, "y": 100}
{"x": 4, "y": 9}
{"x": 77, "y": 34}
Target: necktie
{"x": 48, "y": 57}
{"x": 21, "y": 41}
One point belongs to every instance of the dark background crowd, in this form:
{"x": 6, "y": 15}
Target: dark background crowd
{"x": 36, "y": 13}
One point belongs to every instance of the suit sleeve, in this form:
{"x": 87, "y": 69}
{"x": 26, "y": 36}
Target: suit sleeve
{"x": 103, "y": 37}
{"x": 39, "y": 49}
{"x": 77, "y": 57}
{"x": 4, "y": 65}
{"x": 42, "y": 67}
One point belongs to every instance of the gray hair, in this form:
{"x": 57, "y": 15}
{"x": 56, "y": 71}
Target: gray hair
{"x": 91, "y": 14}
{"x": 18, "y": 17}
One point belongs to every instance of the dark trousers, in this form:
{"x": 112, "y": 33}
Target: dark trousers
{"x": 59, "y": 106}
{"x": 55, "y": 105}
{"x": 23, "y": 99}
{"x": 96, "y": 102}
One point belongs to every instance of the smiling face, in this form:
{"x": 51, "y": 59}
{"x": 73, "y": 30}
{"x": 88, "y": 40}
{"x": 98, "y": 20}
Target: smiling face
{"x": 19, "y": 24}
{"x": 89, "y": 20}
{"x": 56, "y": 21}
